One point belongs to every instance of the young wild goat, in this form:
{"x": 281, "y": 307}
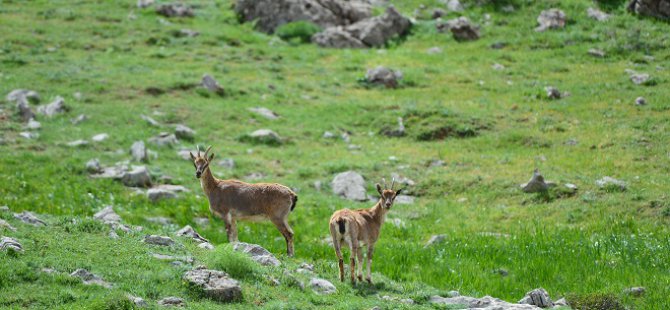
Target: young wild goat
{"x": 232, "y": 199}
{"x": 358, "y": 227}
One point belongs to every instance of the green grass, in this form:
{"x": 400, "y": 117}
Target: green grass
{"x": 592, "y": 244}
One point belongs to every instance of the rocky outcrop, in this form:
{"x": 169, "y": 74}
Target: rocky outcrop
{"x": 654, "y": 8}
{"x": 257, "y": 253}
{"x": 214, "y": 284}
{"x": 369, "y": 32}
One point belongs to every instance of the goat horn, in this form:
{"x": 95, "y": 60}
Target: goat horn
{"x": 384, "y": 180}
{"x": 207, "y": 151}
{"x": 198, "y": 148}
{"x": 392, "y": 183}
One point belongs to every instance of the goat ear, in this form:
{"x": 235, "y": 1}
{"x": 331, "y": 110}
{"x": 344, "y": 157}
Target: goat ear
{"x": 379, "y": 189}
{"x": 398, "y": 192}
{"x": 192, "y": 157}
{"x": 211, "y": 157}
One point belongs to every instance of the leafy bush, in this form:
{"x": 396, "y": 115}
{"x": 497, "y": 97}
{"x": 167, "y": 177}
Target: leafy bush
{"x": 238, "y": 265}
{"x": 597, "y": 301}
{"x": 299, "y": 32}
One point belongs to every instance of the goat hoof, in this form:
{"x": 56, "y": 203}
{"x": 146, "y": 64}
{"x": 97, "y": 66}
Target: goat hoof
{"x": 369, "y": 280}
{"x": 360, "y": 278}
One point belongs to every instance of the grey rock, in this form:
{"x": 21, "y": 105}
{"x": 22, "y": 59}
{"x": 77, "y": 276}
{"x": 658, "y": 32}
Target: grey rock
{"x": 383, "y": 76}
{"x": 201, "y": 221}
{"x": 453, "y": 294}
{"x": 257, "y": 253}
{"x": 160, "y": 220}
{"x": 4, "y": 209}
{"x": 337, "y": 37}
{"x": 107, "y": 215}
{"x": 150, "y": 120}
{"x": 138, "y": 151}
{"x": 640, "y": 78}
{"x": 55, "y": 107}
{"x": 597, "y": 14}
{"x": 100, "y": 137}
{"x": 635, "y": 291}
{"x": 158, "y": 194}
{"x": 655, "y": 8}
{"x": 640, "y": 101}
{"x": 571, "y": 187}
{"x": 93, "y": 166}
{"x": 80, "y": 118}
{"x": 227, "y": 163}
{"x": 206, "y": 246}
{"x": 404, "y": 200}
{"x": 270, "y": 14}
{"x": 24, "y": 109}
{"x": 321, "y": 286}
{"x": 537, "y": 297}
{"x": 398, "y": 132}
{"x": 113, "y": 235}
{"x": 607, "y": 182}
{"x": 29, "y": 218}
{"x": 434, "y": 50}
{"x": 497, "y": 67}
{"x": 7, "y": 243}
{"x": 455, "y": 6}
{"x": 369, "y": 32}
{"x": 164, "y": 139}
{"x": 551, "y": 19}
{"x": 137, "y": 177}
{"x": 114, "y": 172}
{"x": 328, "y": 135}
{"x": 536, "y": 183}
{"x": 29, "y": 135}
{"x": 212, "y": 85}
{"x": 407, "y": 301}
{"x": 183, "y": 132}
{"x": 172, "y": 302}
{"x": 401, "y": 180}
{"x": 138, "y": 301}
{"x": 186, "y": 33}
{"x": 89, "y": 278}
{"x": 349, "y": 185}
{"x": 264, "y": 112}
{"x": 214, "y": 284}
{"x": 141, "y": 4}
{"x": 5, "y": 225}
{"x": 33, "y": 124}
{"x": 553, "y": 93}
{"x": 175, "y": 10}
{"x": 185, "y": 154}
{"x": 597, "y": 53}
{"x": 265, "y": 136}
{"x": 77, "y": 143}
{"x": 484, "y": 303}
{"x": 29, "y": 96}
{"x": 183, "y": 259}
{"x": 461, "y": 29}
{"x": 188, "y": 231}
{"x": 438, "y": 13}
{"x": 435, "y": 239}
{"x": 561, "y": 303}
{"x": 158, "y": 240}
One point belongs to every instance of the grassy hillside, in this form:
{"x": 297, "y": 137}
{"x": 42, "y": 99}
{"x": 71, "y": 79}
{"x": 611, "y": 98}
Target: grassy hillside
{"x": 114, "y": 62}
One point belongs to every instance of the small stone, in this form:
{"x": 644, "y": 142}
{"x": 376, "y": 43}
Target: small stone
{"x": 188, "y": 231}
{"x": 438, "y": 13}
{"x": 158, "y": 194}
{"x": 107, "y": 215}
{"x": 536, "y": 183}
{"x": 640, "y": 101}
{"x": 80, "y": 118}
{"x": 321, "y": 286}
{"x": 328, "y": 135}
{"x": 264, "y": 136}
{"x": 561, "y": 303}
{"x": 597, "y": 14}
{"x": 206, "y": 246}
{"x": 29, "y": 218}
{"x": 113, "y": 234}
{"x": 609, "y": 182}
{"x": 164, "y": 139}
{"x": 138, "y": 301}
{"x": 212, "y": 85}
{"x": 170, "y": 258}
{"x": 33, "y": 124}
{"x": 434, "y": 50}
{"x": 551, "y": 19}
{"x": 4, "y": 209}
{"x": 553, "y": 93}
{"x": 227, "y": 163}
{"x": 55, "y": 107}
{"x": 537, "y": 297}
{"x": 264, "y": 112}
{"x": 7, "y": 243}
{"x": 407, "y": 301}
{"x": 150, "y": 120}
{"x": 4, "y": 224}
{"x": 257, "y": 253}
{"x": 453, "y": 294}
{"x": 461, "y": 28}
{"x": 100, "y": 137}
{"x": 636, "y": 291}
{"x": 89, "y": 278}
{"x": 455, "y": 6}
{"x": 383, "y": 76}
{"x": 214, "y": 284}
{"x": 158, "y": 240}
{"x": 186, "y": 33}
{"x": 395, "y": 132}
{"x": 93, "y": 166}
{"x": 141, "y": 4}
{"x": 183, "y": 132}
{"x": 497, "y": 67}
{"x": 597, "y": 53}
{"x": 29, "y": 135}
{"x": 571, "y": 187}
{"x": 404, "y": 200}
{"x": 77, "y": 143}
{"x": 172, "y": 302}
{"x": 29, "y": 96}
{"x": 436, "y": 239}
{"x": 24, "y": 109}
{"x": 175, "y": 10}
{"x": 640, "y": 78}
{"x": 201, "y": 221}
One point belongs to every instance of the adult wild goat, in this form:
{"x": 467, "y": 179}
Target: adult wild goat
{"x": 358, "y": 227}
{"x": 231, "y": 200}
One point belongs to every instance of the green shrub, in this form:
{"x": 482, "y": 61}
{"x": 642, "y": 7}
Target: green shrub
{"x": 596, "y": 301}
{"x": 238, "y": 265}
{"x": 299, "y": 32}
{"x": 113, "y": 301}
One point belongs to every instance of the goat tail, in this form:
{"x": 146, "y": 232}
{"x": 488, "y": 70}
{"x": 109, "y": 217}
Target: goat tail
{"x": 294, "y": 200}
{"x": 341, "y": 226}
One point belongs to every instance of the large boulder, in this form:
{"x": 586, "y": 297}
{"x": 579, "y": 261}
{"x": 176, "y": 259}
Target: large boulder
{"x": 369, "y": 32}
{"x": 270, "y": 14}
{"x": 349, "y": 185}
{"x": 655, "y": 8}
{"x": 257, "y": 253}
{"x": 263, "y": 136}
{"x": 214, "y": 284}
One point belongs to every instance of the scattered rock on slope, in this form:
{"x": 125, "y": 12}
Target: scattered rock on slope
{"x": 321, "y": 286}
{"x": 609, "y": 182}
{"x": 171, "y": 302}
{"x": 175, "y": 10}
{"x": 654, "y": 8}
{"x": 537, "y": 297}
{"x": 349, "y": 185}
{"x": 270, "y": 14}
{"x": 263, "y": 136}
{"x": 484, "y": 303}
{"x": 5, "y": 225}
{"x": 29, "y": 218}
{"x": 17, "y": 95}
{"x": 7, "y": 243}
{"x": 107, "y": 216}
{"x": 138, "y": 177}
{"x": 264, "y": 112}
{"x": 89, "y": 278}
{"x": 214, "y": 284}
{"x": 551, "y": 19}
{"x": 138, "y": 151}
{"x": 257, "y": 253}
{"x": 435, "y": 239}
{"x": 164, "y": 139}
{"x": 25, "y": 111}
{"x": 369, "y": 32}
{"x": 158, "y": 240}
{"x": 461, "y": 28}
{"x": 55, "y": 107}
{"x": 383, "y": 76}
{"x": 33, "y": 124}
{"x": 536, "y": 183}
{"x": 597, "y": 14}
{"x": 184, "y": 132}
{"x": 188, "y": 231}
{"x": 93, "y": 166}
{"x": 209, "y": 83}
